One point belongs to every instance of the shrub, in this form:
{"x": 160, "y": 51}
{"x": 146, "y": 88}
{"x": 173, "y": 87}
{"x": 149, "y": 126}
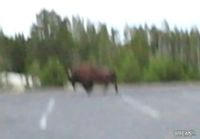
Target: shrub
{"x": 53, "y": 74}
{"x": 164, "y": 69}
{"x": 128, "y": 70}
{"x": 34, "y": 68}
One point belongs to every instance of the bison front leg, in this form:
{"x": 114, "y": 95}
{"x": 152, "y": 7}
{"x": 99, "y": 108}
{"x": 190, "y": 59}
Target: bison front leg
{"x": 73, "y": 85}
{"x": 88, "y": 85}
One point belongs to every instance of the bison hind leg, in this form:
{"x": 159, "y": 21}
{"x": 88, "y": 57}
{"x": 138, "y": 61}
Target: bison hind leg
{"x": 114, "y": 81}
{"x": 106, "y": 87}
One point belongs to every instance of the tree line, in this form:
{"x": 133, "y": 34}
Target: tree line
{"x": 146, "y": 54}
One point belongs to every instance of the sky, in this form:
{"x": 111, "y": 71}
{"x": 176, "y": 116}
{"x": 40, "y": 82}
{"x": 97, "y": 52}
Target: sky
{"x": 17, "y": 16}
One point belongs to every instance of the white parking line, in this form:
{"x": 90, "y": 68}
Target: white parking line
{"x": 48, "y": 110}
{"x": 153, "y": 113}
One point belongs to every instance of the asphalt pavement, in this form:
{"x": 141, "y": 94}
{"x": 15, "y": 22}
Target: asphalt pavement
{"x": 166, "y": 111}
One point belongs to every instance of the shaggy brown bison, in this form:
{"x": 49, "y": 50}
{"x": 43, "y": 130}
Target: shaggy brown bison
{"x": 88, "y": 75}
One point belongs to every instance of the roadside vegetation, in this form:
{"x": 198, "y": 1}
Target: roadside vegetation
{"x": 147, "y": 53}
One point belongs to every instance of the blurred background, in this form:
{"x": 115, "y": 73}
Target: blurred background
{"x": 145, "y": 54}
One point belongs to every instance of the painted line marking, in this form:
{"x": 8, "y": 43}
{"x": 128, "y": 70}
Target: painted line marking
{"x": 44, "y": 117}
{"x": 148, "y": 110}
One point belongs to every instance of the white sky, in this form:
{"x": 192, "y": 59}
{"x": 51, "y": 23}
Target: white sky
{"x": 18, "y": 15}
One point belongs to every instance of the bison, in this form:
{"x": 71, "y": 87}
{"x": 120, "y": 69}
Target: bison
{"x": 87, "y": 75}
